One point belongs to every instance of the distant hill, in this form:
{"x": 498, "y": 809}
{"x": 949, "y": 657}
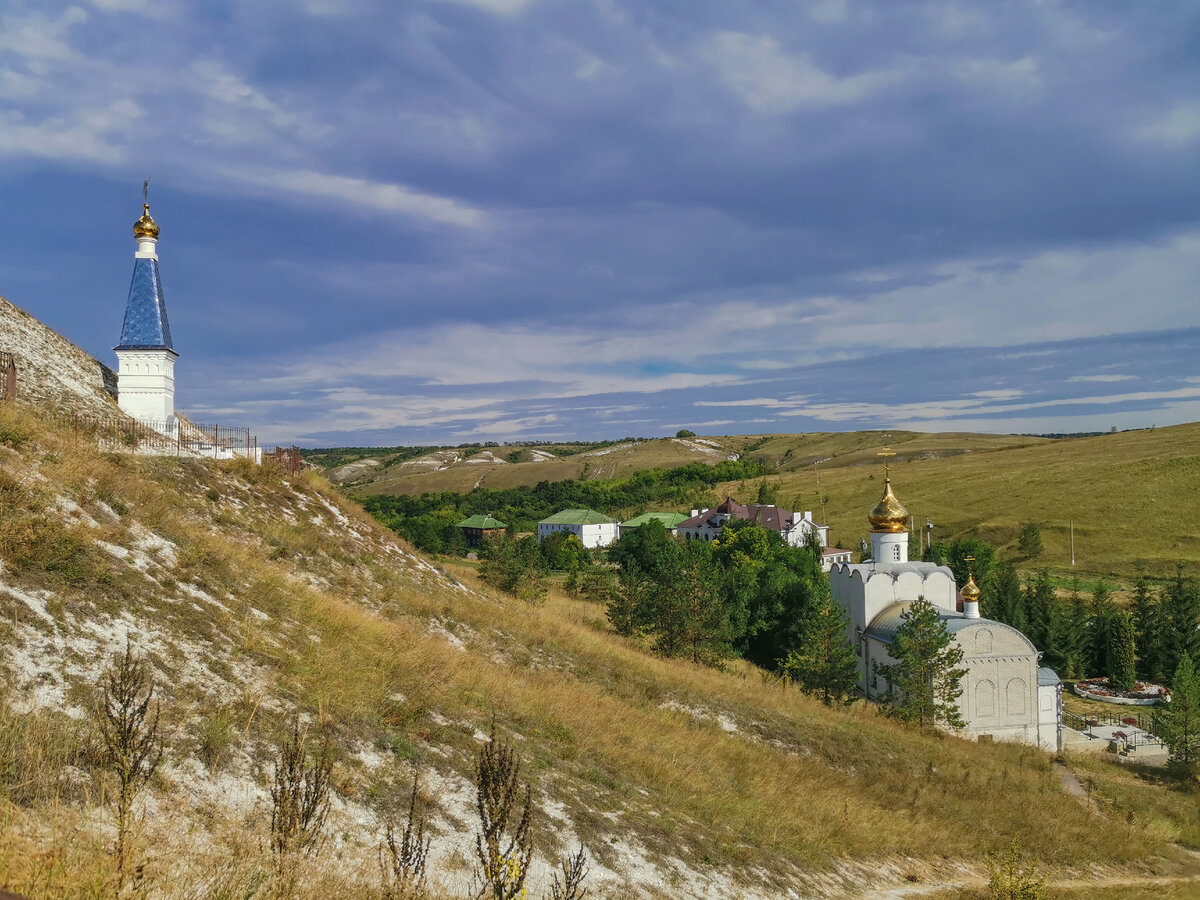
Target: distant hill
{"x": 1131, "y": 494}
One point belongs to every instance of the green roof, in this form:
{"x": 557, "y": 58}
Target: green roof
{"x": 481, "y": 521}
{"x": 669, "y": 520}
{"x": 577, "y": 517}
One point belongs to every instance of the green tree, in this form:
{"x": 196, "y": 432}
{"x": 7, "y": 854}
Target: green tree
{"x": 628, "y": 607}
{"x": 1177, "y": 723}
{"x": 1077, "y": 626}
{"x": 1122, "y": 654}
{"x": 1099, "y": 629}
{"x": 925, "y": 680}
{"x": 1040, "y": 607}
{"x": 1009, "y": 878}
{"x": 824, "y": 664}
{"x": 1029, "y": 540}
{"x": 1144, "y": 609}
{"x": 1007, "y": 599}
{"x": 1180, "y": 618}
{"x": 689, "y": 616}
{"x": 768, "y": 493}
{"x": 685, "y": 433}
{"x": 514, "y": 567}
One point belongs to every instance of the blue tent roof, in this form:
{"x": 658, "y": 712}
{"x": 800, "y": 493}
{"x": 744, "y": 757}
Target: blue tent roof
{"x": 146, "y": 326}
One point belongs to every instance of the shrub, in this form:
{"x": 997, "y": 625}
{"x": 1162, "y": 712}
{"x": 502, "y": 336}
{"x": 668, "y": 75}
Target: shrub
{"x": 504, "y": 842}
{"x": 1009, "y": 879}
{"x": 299, "y": 803}
{"x": 133, "y": 747}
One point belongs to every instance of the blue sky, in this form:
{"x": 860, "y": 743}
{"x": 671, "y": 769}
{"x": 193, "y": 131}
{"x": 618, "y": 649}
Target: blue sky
{"x": 457, "y": 220}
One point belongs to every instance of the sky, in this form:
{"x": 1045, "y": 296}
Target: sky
{"x": 444, "y": 221}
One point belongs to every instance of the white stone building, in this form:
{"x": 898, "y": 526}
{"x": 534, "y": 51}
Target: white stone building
{"x": 145, "y": 357}
{"x": 593, "y": 529}
{"x": 1004, "y": 694}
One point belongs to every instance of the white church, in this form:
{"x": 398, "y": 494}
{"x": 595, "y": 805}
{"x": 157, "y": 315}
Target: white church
{"x": 145, "y": 357}
{"x": 1005, "y": 693}
{"x": 146, "y": 365}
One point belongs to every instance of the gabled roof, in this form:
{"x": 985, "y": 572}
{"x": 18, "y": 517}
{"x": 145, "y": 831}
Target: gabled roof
{"x": 669, "y": 519}
{"x": 145, "y": 326}
{"x": 578, "y": 517}
{"x": 481, "y": 521}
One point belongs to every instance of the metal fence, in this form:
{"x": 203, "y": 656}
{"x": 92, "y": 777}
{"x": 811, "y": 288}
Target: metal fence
{"x": 288, "y": 459}
{"x": 1141, "y": 737}
{"x": 177, "y": 437}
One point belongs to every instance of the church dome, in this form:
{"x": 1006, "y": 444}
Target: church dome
{"x": 145, "y": 226}
{"x": 889, "y": 514}
{"x": 970, "y": 591}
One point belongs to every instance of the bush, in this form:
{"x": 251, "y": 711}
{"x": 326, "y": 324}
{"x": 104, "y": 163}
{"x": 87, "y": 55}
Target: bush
{"x": 1009, "y": 879}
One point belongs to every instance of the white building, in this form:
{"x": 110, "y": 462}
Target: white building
{"x": 145, "y": 357}
{"x": 592, "y": 528}
{"x": 1004, "y": 694}
{"x": 794, "y": 529}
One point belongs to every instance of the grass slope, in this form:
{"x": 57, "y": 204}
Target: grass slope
{"x": 257, "y": 597}
{"x": 1131, "y": 495}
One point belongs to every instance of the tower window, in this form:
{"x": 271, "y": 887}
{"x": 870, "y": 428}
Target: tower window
{"x": 896, "y": 552}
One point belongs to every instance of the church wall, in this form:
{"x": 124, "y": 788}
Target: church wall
{"x": 1000, "y": 688}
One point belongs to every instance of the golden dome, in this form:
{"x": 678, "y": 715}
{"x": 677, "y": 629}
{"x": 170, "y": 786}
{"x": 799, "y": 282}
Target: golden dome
{"x": 970, "y": 591}
{"x": 145, "y": 226}
{"x": 889, "y": 514}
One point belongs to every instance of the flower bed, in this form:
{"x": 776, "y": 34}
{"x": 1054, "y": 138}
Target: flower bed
{"x": 1144, "y": 693}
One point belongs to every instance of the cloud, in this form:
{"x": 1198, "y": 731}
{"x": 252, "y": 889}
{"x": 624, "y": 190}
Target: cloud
{"x": 1175, "y": 128}
{"x": 88, "y": 136}
{"x": 772, "y": 81}
{"x": 39, "y": 37}
{"x": 1102, "y": 378}
{"x": 496, "y": 7}
{"x": 363, "y": 194}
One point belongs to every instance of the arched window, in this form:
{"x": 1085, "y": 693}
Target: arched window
{"x": 1016, "y": 697}
{"x": 983, "y": 640}
{"x": 985, "y": 700}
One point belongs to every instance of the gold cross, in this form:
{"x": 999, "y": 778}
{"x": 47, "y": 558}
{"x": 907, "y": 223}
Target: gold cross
{"x": 886, "y": 453}
{"x": 969, "y": 560}
{"x": 146, "y": 192}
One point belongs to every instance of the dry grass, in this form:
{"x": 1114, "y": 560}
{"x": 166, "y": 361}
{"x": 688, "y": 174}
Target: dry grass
{"x": 700, "y": 770}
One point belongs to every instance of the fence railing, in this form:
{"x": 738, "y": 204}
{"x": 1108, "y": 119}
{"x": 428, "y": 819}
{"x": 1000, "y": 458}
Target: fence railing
{"x": 1141, "y": 737}
{"x": 8, "y": 377}
{"x": 178, "y": 436}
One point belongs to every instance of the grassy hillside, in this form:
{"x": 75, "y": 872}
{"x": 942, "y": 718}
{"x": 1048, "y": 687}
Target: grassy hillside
{"x": 462, "y": 471}
{"x": 256, "y": 597}
{"x": 1131, "y": 495}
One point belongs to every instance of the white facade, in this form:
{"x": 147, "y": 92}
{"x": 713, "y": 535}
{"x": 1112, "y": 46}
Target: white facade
{"x": 146, "y": 386}
{"x": 600, "y": 534}
{"x": 1001, "y": 692}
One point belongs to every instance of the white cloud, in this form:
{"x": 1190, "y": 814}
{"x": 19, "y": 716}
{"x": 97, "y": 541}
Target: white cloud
{"x": 357, "y": 192}
{"x": 496, "y": 7}
{"x": 39, "y": 37}
{"x": 772, "y": 81}
{"x": 1177, "y": 126}
{"x": 1102, "y": 378}
{"x": 1015, "y": 77}
{"x": 88, "y": 136}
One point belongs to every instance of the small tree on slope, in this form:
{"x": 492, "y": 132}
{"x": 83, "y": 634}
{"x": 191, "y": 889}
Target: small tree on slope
{"x": 824, "y": 664}
{"x": 1122, "y": 657}
{"x": 925, "y": 679}
{"x": 1178, "y": 723}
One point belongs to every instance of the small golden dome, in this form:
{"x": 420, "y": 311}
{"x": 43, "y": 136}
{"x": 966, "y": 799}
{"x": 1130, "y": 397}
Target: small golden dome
{"x": 889, "y": 514}
{"x": 145, "y": 226}
{"x": 970, "y": 591}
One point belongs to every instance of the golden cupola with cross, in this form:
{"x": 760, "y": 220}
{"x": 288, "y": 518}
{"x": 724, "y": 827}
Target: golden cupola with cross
{"x": 889, "y": 521}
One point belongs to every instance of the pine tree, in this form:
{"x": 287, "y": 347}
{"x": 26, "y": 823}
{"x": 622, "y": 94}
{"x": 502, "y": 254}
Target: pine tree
{"x": 1122, "y": 654}
{"x": 690, "y": 617}
{"x": 925, "y": 679}
{"x": 1177, "y": 723}
{"x": 1029, "y": 541}
{"x": 1100, "y": 613}
{"x": 1180, "y": 617}
{"x": 1144, "y": 609}
{"x": 1039, "y": 610}
{"x": 1008, "y": 602}
{"x": 825, "y": 663}
{"x": 1076, "y": 630}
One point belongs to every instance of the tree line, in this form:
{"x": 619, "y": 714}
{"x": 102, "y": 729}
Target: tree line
{"x": 428, "y": 521}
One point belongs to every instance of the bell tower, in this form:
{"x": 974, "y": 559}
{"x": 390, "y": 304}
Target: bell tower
{"x": 889, "y": 522}
{"x": 145, "y": 357}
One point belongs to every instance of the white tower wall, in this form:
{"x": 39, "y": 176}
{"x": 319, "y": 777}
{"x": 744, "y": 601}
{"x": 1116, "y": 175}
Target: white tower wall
{"x": 146, "y": 385}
